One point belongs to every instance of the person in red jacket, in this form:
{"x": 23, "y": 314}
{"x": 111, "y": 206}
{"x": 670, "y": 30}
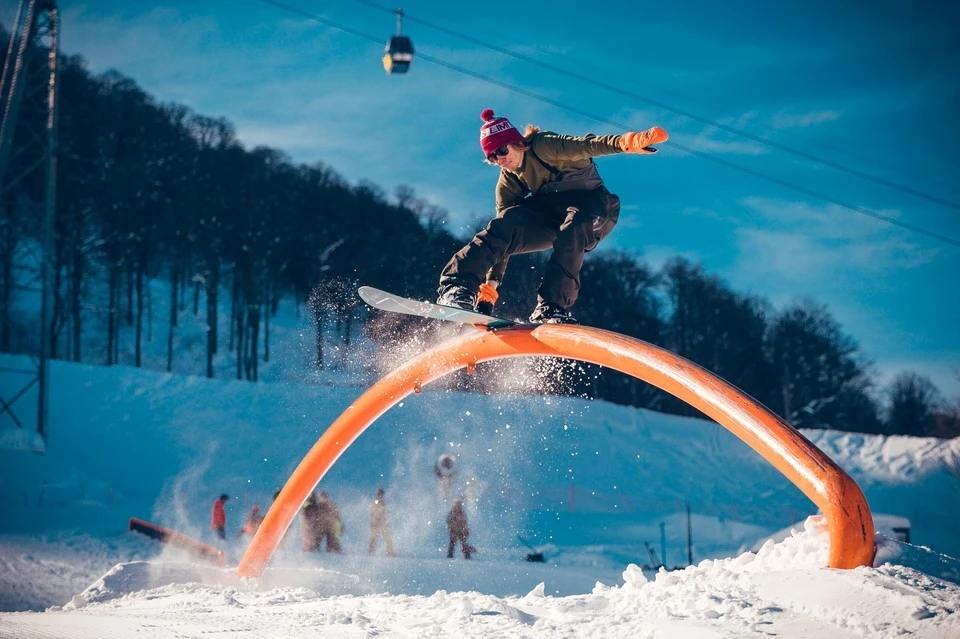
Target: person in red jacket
{"x": 218, "y": 518}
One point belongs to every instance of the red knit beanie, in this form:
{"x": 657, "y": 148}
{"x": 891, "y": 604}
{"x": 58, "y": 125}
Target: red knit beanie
{"x": 496, "y": 132}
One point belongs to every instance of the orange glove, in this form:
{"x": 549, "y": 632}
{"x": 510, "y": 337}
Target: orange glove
{"x": 640, "y": 142}
{"x": 486, "y": 299}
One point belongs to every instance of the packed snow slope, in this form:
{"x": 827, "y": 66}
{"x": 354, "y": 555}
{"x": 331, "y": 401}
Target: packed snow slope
{"x": 781, "y": 591}
{"x": 587, "y": 483}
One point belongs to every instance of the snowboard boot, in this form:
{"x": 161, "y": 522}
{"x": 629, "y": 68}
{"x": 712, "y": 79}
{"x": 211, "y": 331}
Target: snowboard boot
{"x": 547, "y": 313}
{"x": 457, "y": 296}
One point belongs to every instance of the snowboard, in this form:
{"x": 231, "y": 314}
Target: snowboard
{"x": 385, "y": 301}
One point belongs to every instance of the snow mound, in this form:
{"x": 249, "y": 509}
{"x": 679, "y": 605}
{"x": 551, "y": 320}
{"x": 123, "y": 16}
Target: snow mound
{"x": 780, "y": 590}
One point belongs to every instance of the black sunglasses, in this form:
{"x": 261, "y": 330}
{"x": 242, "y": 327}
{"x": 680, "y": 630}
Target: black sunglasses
{"x": 502, "y": 151}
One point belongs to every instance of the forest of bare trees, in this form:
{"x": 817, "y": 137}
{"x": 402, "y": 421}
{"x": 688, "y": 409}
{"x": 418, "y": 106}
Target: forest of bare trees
{"x": 149, "y": 190}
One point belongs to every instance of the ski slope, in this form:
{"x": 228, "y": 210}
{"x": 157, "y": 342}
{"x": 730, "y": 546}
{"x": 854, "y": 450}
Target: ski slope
{"x": 585, "y": 482}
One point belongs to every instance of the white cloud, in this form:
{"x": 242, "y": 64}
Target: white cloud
{"x": 655, "y": 256}
{"x": 784, "y": 120}
{"x": 858, "y": 267}
{"x": 830, "y": 235}
{"x": 711, "y": 142}
{"x": 943, "y": 372}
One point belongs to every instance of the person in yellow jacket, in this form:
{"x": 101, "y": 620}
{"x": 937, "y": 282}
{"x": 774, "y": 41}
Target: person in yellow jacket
{"x": 549, "y": 194}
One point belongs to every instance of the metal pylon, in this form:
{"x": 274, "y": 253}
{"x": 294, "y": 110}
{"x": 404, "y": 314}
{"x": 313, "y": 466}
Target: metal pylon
{"x": 28, "y": 159}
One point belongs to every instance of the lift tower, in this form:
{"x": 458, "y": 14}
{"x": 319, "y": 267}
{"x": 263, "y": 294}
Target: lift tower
{"x": 28, "y": 163}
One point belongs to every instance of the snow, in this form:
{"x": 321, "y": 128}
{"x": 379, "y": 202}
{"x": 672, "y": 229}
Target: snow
{"x": 783, "y": 590}
{"x": 585, "y": 482}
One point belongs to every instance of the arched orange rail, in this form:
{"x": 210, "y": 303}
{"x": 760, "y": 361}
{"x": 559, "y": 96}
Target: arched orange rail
{"x": 826, "y": 484}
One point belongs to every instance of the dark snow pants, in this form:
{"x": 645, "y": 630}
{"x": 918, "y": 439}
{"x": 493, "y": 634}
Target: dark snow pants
{"x": 536, "y": 224}
{"x": 461, "y": 536}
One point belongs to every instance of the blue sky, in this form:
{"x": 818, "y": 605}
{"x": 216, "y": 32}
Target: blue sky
{"x": 870, "y": 86}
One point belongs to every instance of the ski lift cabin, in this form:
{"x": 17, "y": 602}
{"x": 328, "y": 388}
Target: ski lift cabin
{"x": 399, "y": 51}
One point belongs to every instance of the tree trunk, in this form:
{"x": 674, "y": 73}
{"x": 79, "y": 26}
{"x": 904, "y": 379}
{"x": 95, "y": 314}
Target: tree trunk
{"x": 347, "y": 327}
{"x": 6, "y": 291}
{"x": 214, "y": 293}
{"x": 57, "y": 316}
{"x": 212, "y": 284}
{"x": 234, "y": 294}
{"x": 271, "y": 309}
{"x": 318, "y": 320}
{"x": 184, "y": 283}
{"x": 130, "y": 277}
{"x": 174, "y": 285}
{"x": 253, "y": 324}
{"x": 76, "y": 287}
{"x": 116, "y": 315}
{"x": 112, "y": 315}
{"x": 196, "y": 297}
{"x": 138, "y": 286}
{"x": 347, "y": 330}
{"x": 241, "y": 341}
{"x": 149, "y": 303}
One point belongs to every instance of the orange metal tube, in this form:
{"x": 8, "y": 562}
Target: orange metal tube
{"x": 810, "y": 469}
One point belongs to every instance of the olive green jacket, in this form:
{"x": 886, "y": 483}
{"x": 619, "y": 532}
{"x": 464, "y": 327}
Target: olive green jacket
{"x": 560, "y": 152}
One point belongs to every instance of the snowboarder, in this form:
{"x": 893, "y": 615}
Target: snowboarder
{"x": 380, "y": 525}
{"x": 459, "y": 530}
{"x": 549, "y": 195}
{"x": 218, "y": 517}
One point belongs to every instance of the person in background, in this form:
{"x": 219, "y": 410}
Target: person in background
{"x": 458, "y": 529}
{"x": 379, "y": 524}
{"x": 443, "y": 469}
{"x": 218, "y": 517}
{"x": 252, "y": 524}
{"x": 310, "y": 524}
{"x": 549, "y": 195}
{"x": 330, "y": 524}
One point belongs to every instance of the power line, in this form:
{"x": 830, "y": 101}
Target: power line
{"x": 681, "y": 112}
{"x": 561, "y": 105}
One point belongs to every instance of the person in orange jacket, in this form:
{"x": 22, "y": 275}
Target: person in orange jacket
{"x": 218, "y": 518}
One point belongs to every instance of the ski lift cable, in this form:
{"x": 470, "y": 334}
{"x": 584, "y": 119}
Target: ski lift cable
{"x": 681, "y": 112}
{"x": 566, "y": 107}
{"x": 712, "y": 158}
